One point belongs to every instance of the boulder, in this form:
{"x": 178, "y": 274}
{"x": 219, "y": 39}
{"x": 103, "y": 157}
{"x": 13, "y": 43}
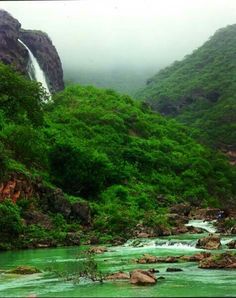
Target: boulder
{"x": 181, "y": 209}
{"x": 142, "y": 231}
{"x": 181, "y": 229}
{"x": 195, "y": 258}
{"x": 73, "y": 238}
{"x": 143, "y": 235}
{"x": 210, "y": 242}
{"x": 170, "y": 259}
{"x": 117, "y": 276}
{"x": 81, "y": 210}
{"x": 142, "y": 277}
{"x": 162, "y": 230}
{"x": 24, "y": 270}
{"x": 173, "y": 270}
{"x": 147, "y": 259}
{"x": 153, "y": 270}
{"x": 205, "y": 213}
{"x": 37, "y": 217}
{"x": 175, "y": 218}
{"x": 222, "y": 261}
{"x": 232, "y": 244}
{"x": 195, "y": 230}
{"x": 97, "y": 250}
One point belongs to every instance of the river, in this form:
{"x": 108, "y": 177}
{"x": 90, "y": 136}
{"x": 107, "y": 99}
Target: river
{"x": 191, "y": 282}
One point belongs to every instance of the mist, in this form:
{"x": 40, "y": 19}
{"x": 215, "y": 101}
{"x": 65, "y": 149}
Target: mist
{"x": 138, "y": 36}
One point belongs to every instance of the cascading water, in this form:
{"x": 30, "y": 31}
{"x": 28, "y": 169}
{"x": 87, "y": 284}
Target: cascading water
{"x": 34, "y": 69}
{"x": 206, "y": 225}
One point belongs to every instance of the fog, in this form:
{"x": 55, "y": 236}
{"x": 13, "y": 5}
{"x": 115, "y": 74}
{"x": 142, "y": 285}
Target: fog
{"x": 105, "y": 35}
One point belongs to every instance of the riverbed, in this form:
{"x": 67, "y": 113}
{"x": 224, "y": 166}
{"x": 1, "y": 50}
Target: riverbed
{"x": 192, "y": 281}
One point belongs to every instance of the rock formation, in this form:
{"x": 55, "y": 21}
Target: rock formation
{"x": 11, "y": 51}
{"x": 222, "y": 261}
{"x": 14, "y": 53}
{"x": 210, "y": 242}
{"x": 142, "y": 277}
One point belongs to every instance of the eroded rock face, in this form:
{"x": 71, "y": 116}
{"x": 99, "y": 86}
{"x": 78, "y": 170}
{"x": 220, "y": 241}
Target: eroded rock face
{"x": 14, "y": 53}
{"x": 46, "y": 54}
{"x": 142, "y": 277}
{"x": 15, "y": 187}
{"x": 11, "y": 51}
{"x": 210, "y": 242}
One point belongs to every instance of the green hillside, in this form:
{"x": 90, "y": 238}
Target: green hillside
{"x": 99, "y": 147}
{"x": 200, "y": 90}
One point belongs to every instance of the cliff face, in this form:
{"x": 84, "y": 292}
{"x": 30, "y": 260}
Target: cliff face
{"x": 11, "y": 51}
{"x": 14, "y": 53}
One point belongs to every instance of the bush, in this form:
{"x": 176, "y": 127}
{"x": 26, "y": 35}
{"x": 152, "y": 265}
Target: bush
{"x": 10, "y": 220}
{"x": 79, "y": 170}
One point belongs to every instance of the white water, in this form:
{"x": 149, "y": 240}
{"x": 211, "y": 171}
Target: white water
{"x": 161, "y": 243}
{"x": 206, "y": 225}
{"x": 35, "y": 71}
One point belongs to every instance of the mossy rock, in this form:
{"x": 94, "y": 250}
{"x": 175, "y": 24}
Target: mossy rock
{"x": 24, "y": 270}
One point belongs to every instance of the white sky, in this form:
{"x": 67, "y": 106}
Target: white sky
{"x": 132, "y": 33}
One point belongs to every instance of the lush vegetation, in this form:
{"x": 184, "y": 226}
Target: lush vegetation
{"x": 127, "y": 162}
{"x": 200, "y": 90}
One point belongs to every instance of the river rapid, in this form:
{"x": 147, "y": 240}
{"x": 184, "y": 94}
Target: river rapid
{"x": 191, "y": 282}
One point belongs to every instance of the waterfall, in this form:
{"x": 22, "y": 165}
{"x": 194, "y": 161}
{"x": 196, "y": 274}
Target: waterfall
{"x": 34, "y": 69}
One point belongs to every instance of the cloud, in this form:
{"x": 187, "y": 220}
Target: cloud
{"x": 105, "y": 34}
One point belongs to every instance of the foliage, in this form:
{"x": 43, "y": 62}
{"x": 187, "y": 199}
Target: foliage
{"x": 200, "y": 89}
{"x": 10, "y": 220}
{"x": 20, "y": 99}
{"x": 129, "y": 163}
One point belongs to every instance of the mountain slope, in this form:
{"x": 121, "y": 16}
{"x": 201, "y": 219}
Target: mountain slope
{"x": 200, "y": 90}
{"x": 107, "y": 153}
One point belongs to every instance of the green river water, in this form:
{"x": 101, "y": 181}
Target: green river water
{"x": 191, "y": 282}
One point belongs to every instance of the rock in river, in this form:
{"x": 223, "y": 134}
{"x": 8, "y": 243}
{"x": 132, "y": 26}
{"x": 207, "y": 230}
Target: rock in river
{"x": 142, "y": 277}
{"x": 222, "y": 261}
{"x": 209, "y": 242}
{"x": 24, "y": 270}
{"x": 174, "y": 269}
{"x": 118, "y": 275}
{"x": 97, "y": 249}
{"x": 232, "y": 244}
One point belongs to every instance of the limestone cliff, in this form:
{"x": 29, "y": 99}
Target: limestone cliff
{"x": 13, "y": 52}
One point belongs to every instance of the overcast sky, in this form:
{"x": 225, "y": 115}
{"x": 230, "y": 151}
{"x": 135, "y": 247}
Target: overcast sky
{"x": 141, "y": 33}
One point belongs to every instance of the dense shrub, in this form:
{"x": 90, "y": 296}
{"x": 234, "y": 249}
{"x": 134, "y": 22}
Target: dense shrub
{"x": 10, "y": 220}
